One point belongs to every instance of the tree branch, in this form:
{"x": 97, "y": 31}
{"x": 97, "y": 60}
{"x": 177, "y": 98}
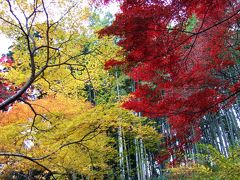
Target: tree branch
{"x": 7, "y": 154}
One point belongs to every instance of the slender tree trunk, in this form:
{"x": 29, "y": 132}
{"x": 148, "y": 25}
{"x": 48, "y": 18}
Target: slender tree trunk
{"x": 137, "y": 159}
{"x": 142, "y": 160}
{"x": 229, "y": 127}
{"x": 235, "y": 124}
{"x": 121, "y": 154}
{"x": 126, "y": 156}
{"x": 120, "y": 136}
{"x": 146, "y": 162}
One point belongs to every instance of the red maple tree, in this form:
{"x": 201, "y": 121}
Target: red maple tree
{"x": 181, "y": 74}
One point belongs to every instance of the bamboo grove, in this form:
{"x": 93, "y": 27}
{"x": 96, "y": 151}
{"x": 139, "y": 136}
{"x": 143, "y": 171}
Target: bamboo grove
{"x": 151, "y": 92}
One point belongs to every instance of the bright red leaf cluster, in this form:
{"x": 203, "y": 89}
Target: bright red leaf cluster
{"x": 112, "y": 63}
{"x": 181, "y": 74}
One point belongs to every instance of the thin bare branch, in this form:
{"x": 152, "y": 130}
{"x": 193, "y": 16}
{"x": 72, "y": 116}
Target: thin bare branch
{"x": 35, "y": 114}
{"x": 5, "y": 20}
{"x": 8, "y": 154}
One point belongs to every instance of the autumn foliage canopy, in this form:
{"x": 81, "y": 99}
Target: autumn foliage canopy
{"x": 182, "y": 54}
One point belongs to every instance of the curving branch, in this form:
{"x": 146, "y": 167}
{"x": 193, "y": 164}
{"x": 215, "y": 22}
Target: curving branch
{"x": 73, "y": 142}
{"x": 7, "y": 154}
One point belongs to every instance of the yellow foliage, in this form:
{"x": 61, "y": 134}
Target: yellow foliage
{"x": 189, "y": 171}
{"x": 75, "y": 56}
{"x": 71, "y": 131}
